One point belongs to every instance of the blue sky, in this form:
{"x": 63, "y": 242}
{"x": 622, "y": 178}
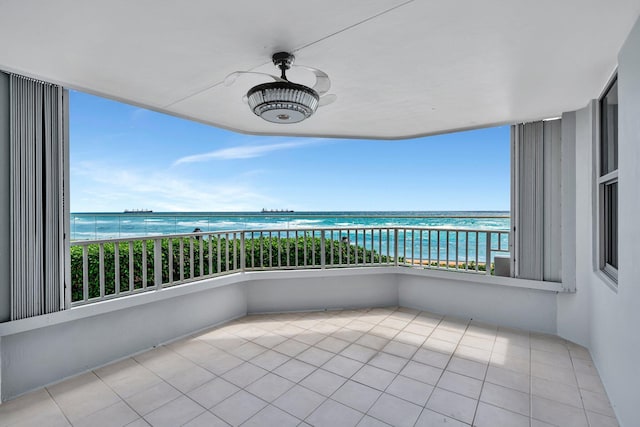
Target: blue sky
{"x": 125, "y": 157}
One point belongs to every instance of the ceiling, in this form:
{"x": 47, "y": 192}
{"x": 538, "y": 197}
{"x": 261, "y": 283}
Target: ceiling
{"x": 400, "y": 68}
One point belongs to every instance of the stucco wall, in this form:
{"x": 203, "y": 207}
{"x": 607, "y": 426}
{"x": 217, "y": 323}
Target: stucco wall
{"x": 610, "y": 318}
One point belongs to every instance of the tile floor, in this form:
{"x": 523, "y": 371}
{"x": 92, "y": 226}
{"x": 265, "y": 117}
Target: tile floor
{"x": 370, "y": 367}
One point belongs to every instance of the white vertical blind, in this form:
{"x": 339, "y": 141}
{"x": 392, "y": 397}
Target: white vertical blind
{"x": 536, "y": 190}
{"x": 36, "y": 135}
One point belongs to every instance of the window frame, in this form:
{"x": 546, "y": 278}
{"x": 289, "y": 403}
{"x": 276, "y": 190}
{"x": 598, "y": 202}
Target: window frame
{"x": 603, "y": 180}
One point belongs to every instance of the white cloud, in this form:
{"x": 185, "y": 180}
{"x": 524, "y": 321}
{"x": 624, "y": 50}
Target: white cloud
{"x": 244, "y": 152}
{"x": 101, "y": 188}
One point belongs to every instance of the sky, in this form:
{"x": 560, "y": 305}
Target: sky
{"x": 125, "y": 157}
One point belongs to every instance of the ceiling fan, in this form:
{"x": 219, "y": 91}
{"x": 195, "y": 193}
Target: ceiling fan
{"x": 282, "y": 101}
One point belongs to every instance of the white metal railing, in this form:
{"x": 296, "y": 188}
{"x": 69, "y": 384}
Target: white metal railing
{"x": 103, "y": 269}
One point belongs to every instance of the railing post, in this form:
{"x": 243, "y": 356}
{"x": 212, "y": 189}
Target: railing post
{"x": 395, "y": 246}
{"x": 488, "y": 255}
{"x": 323, "y": 255}
{"x": 243, "y": 260}
{"x": 157, "y": 263}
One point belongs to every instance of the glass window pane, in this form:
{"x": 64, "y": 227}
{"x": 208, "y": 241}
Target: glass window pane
{"x": 611, "y": 223}
{"x": 609, "y": 130}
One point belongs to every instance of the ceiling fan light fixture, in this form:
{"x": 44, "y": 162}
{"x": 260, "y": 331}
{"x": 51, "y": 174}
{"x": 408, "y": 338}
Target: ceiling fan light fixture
{"x": 283, "y": 101}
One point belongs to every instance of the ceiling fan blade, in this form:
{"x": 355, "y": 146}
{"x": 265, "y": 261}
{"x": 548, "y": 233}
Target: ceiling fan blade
{"x": 323, "y": 84}
{"x": 231, "y": 78}
{"x": 327, "y": 99}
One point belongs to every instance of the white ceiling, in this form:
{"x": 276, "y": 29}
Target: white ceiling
{"x": 399, "y": 68}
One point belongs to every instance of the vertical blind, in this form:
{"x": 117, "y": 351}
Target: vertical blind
{"x": 536, "y": 191}
{"x": 36, "y": 141}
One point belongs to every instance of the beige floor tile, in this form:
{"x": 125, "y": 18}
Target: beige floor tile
{"x": 213, "y": 392}
{"x": 35, "y": 407}
{"x": 467, "y": 367}
{"x": 343, "y": 366}
{"x": 388, "y": 362}
{"x": 556, "y": 391}
{"x": 174, "y": 413}
{"x": 359, "y": 353}
{"x": 441, "y": 346}
{"x": 291, "y": 347}
{"x": 408, "y": 389}
{"x": 425, "y": 373}
{"x": 477, "y": 342}
{"x": 164, "y": 362}
{"x": 373, "y": 377}
{"x": 323, "y": 382}
{"x": 418, "y": 329}
{"x": 553, "y": 373}
{"x": 599, "y": 420}
{"x": 506, "y": 398}
{"x": 400, "y": 349}
{"x": 368, "y": 421}
{"x": 206, "y": 419}
{"x": 410, "y": 338}
{"x": 315, "y": 356}
{"x": 395, "y": 411}
{"x": 270, "y": 340}
{"x": 510, "y": 379}
{"x": 140, "y": 422}
{"x": 333, "y": 344}
{"x": 455, "y": 324}
{"x": 590, "y": 382}
{"x": 562, "y": 360}
{"x": 294, "y": 370}
{"x": 154, "y": 397}
{"x": 299, "y": 401}
{"x": 512, "y": 350}
{"x": 248, "y": 351}
{"x": 372, "y": 341}
{"x": 270, "y": 387}
{"x": 356, "y": 395}
{"x": 460, "y": 384}
{"x": 334, "y": 414}
{"x": 310, "y": 337}
{"x": 427, "y": 319}
{"x": 452, "y": 405}
{"x": 82, "y": 395}
{"x": 511, "y": 363}
{"x": 221, "y": 363}
{"x": 238, "y": 408}
{"x": 244, "y": 374}
{"x": 596, "y": 402}
{"x": 472, "y": 353}
{"x": 557, "y": 413}
{"x": 391, "y": 322}
{"x": 270, "y": 416}
{"x": 347, "y": 334}
{"x": 269, "y": 360}
{"x": 447, "y": 335}
{"x": 429, "y": 418}
{"x": 491, "y": 416}
{"x": 119, "y": 414}
{"x": 430, "y": 357}
{"x": 190, "y": 378}
{"x": 384, "y": 332}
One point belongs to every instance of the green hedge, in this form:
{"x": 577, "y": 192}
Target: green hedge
{"x": 263, "y": 251}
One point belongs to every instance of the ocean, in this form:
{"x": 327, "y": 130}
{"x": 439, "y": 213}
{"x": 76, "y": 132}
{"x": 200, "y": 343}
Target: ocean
{"x": 89, "y": 226}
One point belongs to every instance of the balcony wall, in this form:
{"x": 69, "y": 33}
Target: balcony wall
{"x": 45, "y": 349}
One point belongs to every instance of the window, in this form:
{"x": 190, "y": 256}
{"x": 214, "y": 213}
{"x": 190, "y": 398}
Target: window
{"x": 608, "y": 181}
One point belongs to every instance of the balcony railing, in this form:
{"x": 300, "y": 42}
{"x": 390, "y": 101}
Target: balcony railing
{"x": 103, "y": 269}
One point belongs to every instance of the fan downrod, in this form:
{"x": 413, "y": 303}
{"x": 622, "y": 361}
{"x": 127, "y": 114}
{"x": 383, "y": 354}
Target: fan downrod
{"x": 283, "y": 60}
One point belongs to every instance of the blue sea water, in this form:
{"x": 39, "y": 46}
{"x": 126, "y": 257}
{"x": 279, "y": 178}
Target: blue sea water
{"x": 87, "y": 226}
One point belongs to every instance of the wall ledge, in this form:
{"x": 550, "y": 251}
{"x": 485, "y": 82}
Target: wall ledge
{"x": 115, "y": 304}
